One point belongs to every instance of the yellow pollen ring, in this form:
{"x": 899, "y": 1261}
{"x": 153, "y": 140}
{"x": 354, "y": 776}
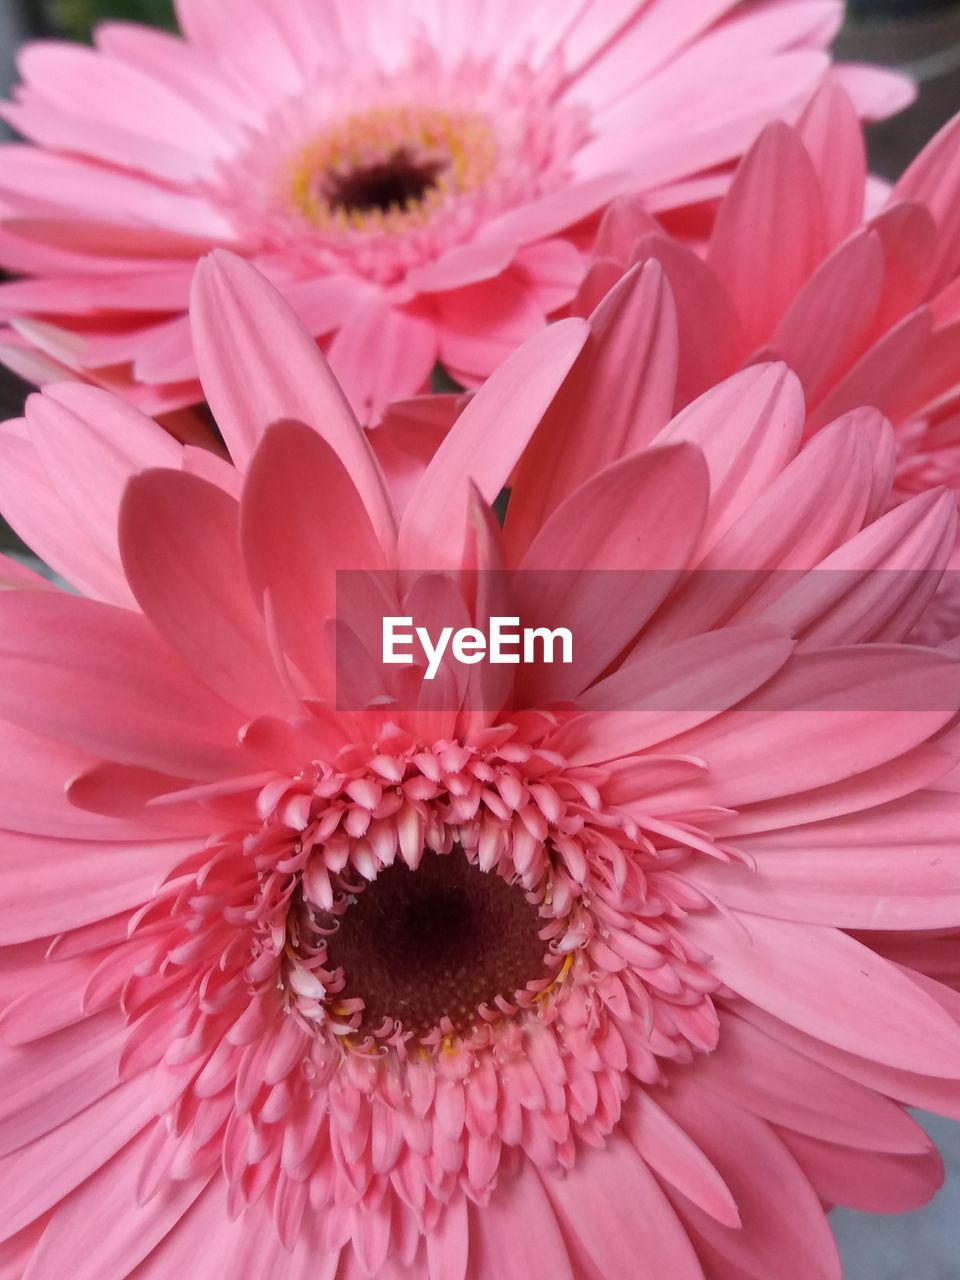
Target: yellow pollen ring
{"x": 457, "y": 150}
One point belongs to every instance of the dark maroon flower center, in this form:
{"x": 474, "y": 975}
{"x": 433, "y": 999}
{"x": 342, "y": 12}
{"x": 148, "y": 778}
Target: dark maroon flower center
{"x": 438, "y": 942}
{"x": 398, "y": 182}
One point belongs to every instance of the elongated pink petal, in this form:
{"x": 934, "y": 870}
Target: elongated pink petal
{"x": 180, "y": 543}
{"x": 748, "y": 428}
{"x": 251, "y": 1247}
{"x": 784, "y": 1232}
{"x": 600, "y": 1194}
{"x": 245, "y": 391}
{"x": 485, "y": 443}
{"x": 831, "y": 133}
{"x": 98, "y": 678}
{"x": 406, "y": 346}
{"x": 47, "y": 1083}
{"x": 302, "y": 521}
{"x": 666, "y": 693}
{"x": 673, "y": 1155}
{"x": 762, "y": 275}
{"x": 830, "y": 319}
{"x": 764, "y": 1076}
{"x": 79, "y": 882}
{"x": 624, "y": 378}
{"x": 869, "y": 1181}
{"x": 497, "y": 1248}
{"x": 41, "y": 1174}
{"x": 894, "y": 867}
{"x": 874, "y": 1011}
{"x": 119, "y": 1233}
{"x": 585, "y": 560}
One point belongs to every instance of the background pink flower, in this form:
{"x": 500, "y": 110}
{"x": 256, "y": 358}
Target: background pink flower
{"x": 423, "y": 176}
{"x": 656, "y": 1045}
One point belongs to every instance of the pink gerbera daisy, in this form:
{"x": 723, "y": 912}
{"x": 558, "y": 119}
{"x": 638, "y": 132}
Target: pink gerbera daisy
{"x": 866, "y": 310}
{"x": 418, "y": 175}
{"x": 553, "y": 975}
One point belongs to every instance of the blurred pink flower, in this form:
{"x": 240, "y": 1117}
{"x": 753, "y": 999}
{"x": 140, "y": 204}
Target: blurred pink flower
{"x": 646, "y": 1041}
{"x": 422, "y": 176}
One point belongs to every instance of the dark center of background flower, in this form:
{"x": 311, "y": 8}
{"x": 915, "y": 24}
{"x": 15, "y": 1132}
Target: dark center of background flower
{"x": 399, "y": 182}
{"x": 390, "y": 168}
{"x": 439, "y": 942}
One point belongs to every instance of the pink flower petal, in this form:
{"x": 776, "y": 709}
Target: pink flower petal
{"x": 233, "y": 305}
{"x": 873, "y": 1010}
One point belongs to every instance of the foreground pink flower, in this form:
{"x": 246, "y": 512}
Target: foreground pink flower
{"x": 415, "y": 175}
{"x": 461, "y": 985}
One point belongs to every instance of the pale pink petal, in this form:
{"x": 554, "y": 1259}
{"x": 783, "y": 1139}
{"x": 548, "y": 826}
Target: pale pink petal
{"x": 831, "y": 133}
{"x": 406, "y": 351}
{"x": 894, "y": 867}
{"x": 916, "y": 1089}
{"x": 47, "y": 1083}
{"x": 769, "y": 233}
{"x": 485, "y": 443}
{"x": 80, "y": 82}
{"x": 868, "y": 1181}
{"x": 874, "y": 1010}
{"x": 673, "y": 1155}
{"x": 180, "y": 545}
{"x": 553, "y": 269}
{"x": 766, "y": 1077}
{"x": 81, "y": 881}
{"x": 497, "y": 1248}
{"x": 784, "y": 1231}
{"x": 603, "y": 1191}
{"x": 40, "y": 1175}
{"x": 40, "y": 180}
{"x": 711, "y": 343}
{"x": 159, "y": 289}
{"x": 828, "y": 323}
{"x": 233, "y": 305}
{"x": 98, "y": 677}
{"x": 933, "y": 179}
{"x": 878, "y": 584}
{"x": 666, "y": 693}
{"x": 181, "y": 66}
{"x": 875, "y": 91}
{"x": 302, "y": 521}
{"x": 471, "y": 352}
{"x": 250, "y": 1247}
{"x": 884, "y": 372}
{"x": 104, "y": 1212}
{"x": 843, "y": 711}
{"x": 748, "y": 428}
{"x": 624, "y": 379}
{"x": 717, "y": 120}
{"x": 603, "y": 577}
{"x": 35, "y": 510}
{"x": 60, "y": 129}
{"x": 408, "y": 436}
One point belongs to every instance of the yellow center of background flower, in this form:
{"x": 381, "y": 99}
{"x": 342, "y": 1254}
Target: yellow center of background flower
{"x": 388, "y": 168}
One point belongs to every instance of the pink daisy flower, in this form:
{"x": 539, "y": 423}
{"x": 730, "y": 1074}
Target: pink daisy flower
{"x": 418, "y": 175}
{"x": 554, "y": 975}
{"x": 865, "y": 311}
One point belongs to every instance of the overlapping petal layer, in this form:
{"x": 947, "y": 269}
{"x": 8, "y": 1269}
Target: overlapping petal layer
{"x": 861, "y": 302}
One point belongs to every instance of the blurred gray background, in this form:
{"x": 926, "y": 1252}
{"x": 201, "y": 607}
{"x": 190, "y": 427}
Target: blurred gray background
{"x": 922, "y": 37}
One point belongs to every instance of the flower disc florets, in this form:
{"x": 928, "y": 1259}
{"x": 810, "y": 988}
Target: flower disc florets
{"x": 418, "y": 959}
